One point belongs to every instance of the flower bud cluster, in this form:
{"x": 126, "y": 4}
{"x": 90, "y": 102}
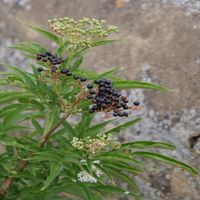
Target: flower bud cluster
{"x": 92, "y": 145}
{"x": 81, "y": 33}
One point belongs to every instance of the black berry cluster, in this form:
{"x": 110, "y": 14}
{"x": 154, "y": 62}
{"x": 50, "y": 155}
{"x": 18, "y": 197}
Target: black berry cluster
{"x": 54, "y": 62}
{"x": 48, "y": 56}
{"x": 105, "y": 98}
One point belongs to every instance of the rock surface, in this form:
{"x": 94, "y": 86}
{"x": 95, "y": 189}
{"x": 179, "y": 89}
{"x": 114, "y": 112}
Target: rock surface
{"x": 160, "y": 44}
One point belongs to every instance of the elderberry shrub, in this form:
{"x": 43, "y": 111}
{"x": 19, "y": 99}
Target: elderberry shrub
{"x": 105, "y": 98}
{"x": 60, "y": 156}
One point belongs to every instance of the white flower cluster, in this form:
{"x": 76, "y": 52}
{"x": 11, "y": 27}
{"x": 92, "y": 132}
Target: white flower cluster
{"x": 83, "y": 32}
{"x": 98, "y": 172}
{"x": 84, "y": 176}
{"x": 77, "y": 143}
{"x": 92, "y": 145}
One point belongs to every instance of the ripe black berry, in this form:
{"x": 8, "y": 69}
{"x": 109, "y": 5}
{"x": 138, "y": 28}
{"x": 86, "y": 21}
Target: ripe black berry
{"x": 116, "y": 110}
{"x": 39, "y": 57}
{"x": 125, "y": 107}
{"x": 89, "y": 86}
{"x": 53, "y": 69}
{"x": 43, "y": 54}
{"x": 48, "y": 53}
{"x": 94, "y": 107}
{"x": 123, "y": 97}
{"x": 101, "y": 84}
{"x": 76, "y": 77}
{"x": 136, "y": 103}
{"x": 44, "y": 60}
{"x": 121, "y": 114}
{"x": 92, "y": 92}
{"x": 125, "y": 114}
{"x": 96, "y": 81}
{"x": 89, "y": 96}
{"x": 102, "y": 89}
{"x": 115, "y": 114}
{"x": 125, "y": 100}
{"x": 68, "y": 73}
{"x": 40, "y": 69}
{"x": 64, "y": 71}
{"x": 83, "y": 79}
{"x": 91, "y": 110}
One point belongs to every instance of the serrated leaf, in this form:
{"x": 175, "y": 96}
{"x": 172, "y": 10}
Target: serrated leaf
{"x": 166, "y": 159}
{"x": 123, "y": 126}
{"x": 55, "y": 170}
{"x": 148, "y": 144}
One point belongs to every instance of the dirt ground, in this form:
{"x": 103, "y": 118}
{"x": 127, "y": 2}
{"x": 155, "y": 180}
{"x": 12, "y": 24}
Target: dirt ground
{"x": 160, "y": 43}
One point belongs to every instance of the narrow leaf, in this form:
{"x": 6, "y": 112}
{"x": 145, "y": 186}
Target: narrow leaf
{"x": 123, "y": 84}
{"x": 166, "y": 159}
{"x": 123, "y": 126}
{"x": 55, "y": 169}
{"x": 148, "y": 144}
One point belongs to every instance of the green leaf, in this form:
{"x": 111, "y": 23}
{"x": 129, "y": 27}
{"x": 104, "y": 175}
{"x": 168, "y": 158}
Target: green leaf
{"x": 118, "y": 156}
{"x": 125, "y": 178}
{"x": 30, "y": 47}
{"x": 95, "y": 44}
{"x": 45, "y": 33}
{"x": 109, "y": 188}
{"x": 15, "y": 116}
{"x": 77, "y": 63}
{"x": 27, "y": 78}
{"x": 84, "y": 123}
{"x": 122, "y": 166}
{"x": 37, "y": 126}
{"x": 166, "y": 159}
{"x": 92, "y": 131}
{"x": 103, "y": 42}
{"x": 148, "y": 144}
{"x": 51, "y": 118}
{"x": 86, "y": 190}
{"x": 10, "y": 96}
{"x": 47, "y": 156}
{"x": 55, "y": 170}
{"x": 123, "y": 126}
{"x": 109, "y": 73}
{"x": 11, "y": 141}
{"x": 123, "y": 84}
